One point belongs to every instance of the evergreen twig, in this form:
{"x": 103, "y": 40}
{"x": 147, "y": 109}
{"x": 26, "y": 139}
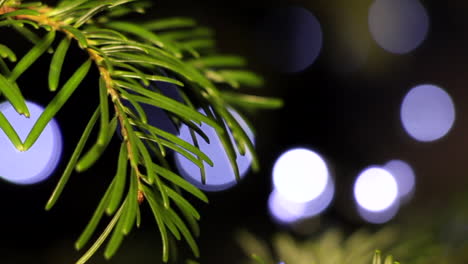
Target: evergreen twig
{"x": 128, "y": 56}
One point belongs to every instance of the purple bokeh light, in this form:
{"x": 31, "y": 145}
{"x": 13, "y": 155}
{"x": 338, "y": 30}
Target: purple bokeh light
{"x": 290, "y": 39}
{"x": 285, "y": 211}
{"x": 39, "y": 162}
{"x": 427, "y": 113}
{"x": 398, "y": 26}
{"x": 221, "y": 175}
{"x": 404, "y": 175}
{"x": 379, "y": 217}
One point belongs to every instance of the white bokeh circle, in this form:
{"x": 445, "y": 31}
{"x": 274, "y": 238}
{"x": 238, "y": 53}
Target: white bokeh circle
{"x": 375, "y": 189}
{"x": 300, "y": 175}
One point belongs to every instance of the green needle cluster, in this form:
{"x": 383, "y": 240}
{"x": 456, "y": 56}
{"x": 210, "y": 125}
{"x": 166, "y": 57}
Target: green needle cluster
{"x": 128, "y": 57}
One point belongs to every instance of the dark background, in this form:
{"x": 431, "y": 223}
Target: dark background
{"x": 352, "y": 118}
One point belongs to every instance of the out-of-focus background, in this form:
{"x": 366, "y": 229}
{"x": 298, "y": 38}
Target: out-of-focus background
{"x": 372, "y": 130}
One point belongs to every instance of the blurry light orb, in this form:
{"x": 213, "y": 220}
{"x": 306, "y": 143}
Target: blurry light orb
{"x": 427, "y": 113}
{"x": 321, "y": 203}
{"x": 375, "y": 189}
{"x": 379, "y": 217}
{"x": 157, "y": 116}
{"x": 221, "y": 175}
{"x": 290, "y": 39}
{"x": 300, "y": 175}
{"x": 404, "y": 176}
{"x": 37, "y": 163}
{"x": 286, "y": 211}
{"x": 398, "y": 26}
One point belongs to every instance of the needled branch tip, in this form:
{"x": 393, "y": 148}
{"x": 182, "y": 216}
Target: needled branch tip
{"x": 21, "y": 148}
{"x": 131, "y": 58}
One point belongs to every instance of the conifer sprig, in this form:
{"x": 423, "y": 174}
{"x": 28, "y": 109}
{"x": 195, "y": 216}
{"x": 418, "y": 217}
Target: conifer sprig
{"x": 130, "y": 56}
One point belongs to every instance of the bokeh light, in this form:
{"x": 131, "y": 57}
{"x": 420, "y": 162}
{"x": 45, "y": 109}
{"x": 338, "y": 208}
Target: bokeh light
{"x": 283, "y": 210}
{"x": 321, "y": 203}
{"x": 404, "y": 176}
{"x": 375, "y": 189}
{"x": 398, "y": 26}
{"x": 37, "y": 163}
{"x": 379, "y": 217}
{"x": 221, "y": 175}
{"x": 300, "y": 175}
{"x": 427, "y": 113}
{"x": 290, "y": 39}
{"x": 156, "y": 116}
{"x": 286, "y": 211}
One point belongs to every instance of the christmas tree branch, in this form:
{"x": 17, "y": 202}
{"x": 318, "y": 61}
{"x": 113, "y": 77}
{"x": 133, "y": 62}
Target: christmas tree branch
{"x": 128, "y": 57}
